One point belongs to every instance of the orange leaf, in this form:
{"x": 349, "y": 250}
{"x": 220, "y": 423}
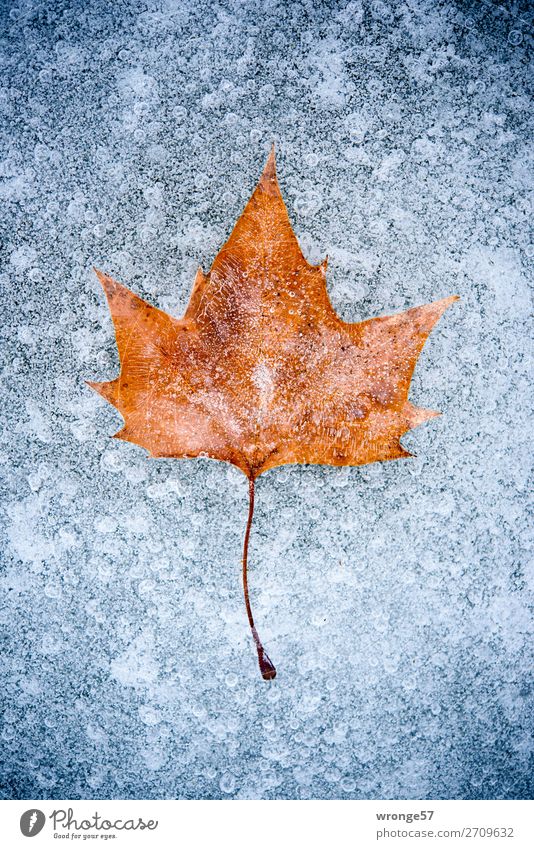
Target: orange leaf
{"x": 261, "y": 371}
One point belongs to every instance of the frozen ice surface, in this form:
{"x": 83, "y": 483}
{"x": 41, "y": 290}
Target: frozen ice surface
{"x": 395, "y": 599}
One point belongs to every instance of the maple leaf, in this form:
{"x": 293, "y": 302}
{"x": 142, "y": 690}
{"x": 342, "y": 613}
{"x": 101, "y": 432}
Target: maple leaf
{"x": 261, "y": 371}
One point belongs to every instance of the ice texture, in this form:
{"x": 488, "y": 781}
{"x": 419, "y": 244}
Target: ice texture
{"x": 396, "y": 598}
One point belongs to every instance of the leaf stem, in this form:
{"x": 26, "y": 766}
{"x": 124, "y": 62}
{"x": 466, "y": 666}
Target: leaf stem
{"x": 267, "y": 668}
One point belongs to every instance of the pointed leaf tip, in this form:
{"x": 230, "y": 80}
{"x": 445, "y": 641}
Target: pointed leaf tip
{"x": 268, "y": 179}
{"x": 420, "y": 415}
{"x": 109, "y": 285}
{"x": 97, "y": 386}
{"x": 447, "y": 302}
{"x": 443, "y": 305}
{"x": 101, "y": 275}
{"x": 107, "y": 389}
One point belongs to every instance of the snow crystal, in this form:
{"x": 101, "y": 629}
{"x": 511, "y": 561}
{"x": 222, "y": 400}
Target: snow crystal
{"x": 395, "y": 599}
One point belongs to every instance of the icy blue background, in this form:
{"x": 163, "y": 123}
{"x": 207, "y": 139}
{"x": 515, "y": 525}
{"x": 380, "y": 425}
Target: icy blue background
{"x": 394, "y": 598}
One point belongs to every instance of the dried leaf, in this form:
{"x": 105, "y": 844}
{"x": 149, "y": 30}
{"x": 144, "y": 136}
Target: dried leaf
{"x": 260, "y": 371}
